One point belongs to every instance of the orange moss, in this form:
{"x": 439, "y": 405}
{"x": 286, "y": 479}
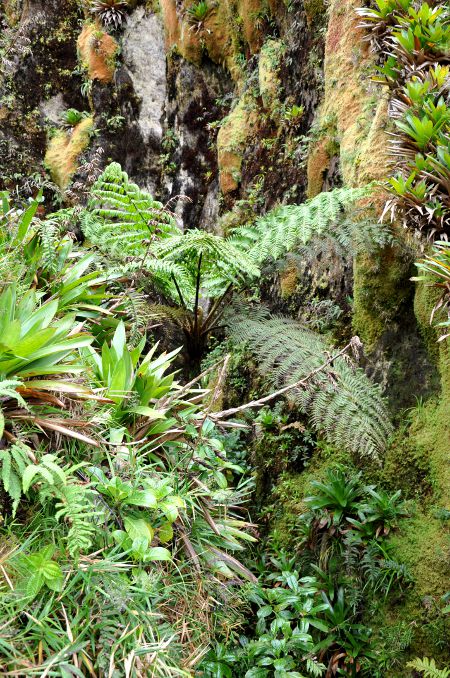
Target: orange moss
{"x": 171, "y": 23}
{"x": 97, "y": 50}
{"x": 217, "y": 37}
{"x": 11, "y": 9}
{"x": 64, "y": 150}
{"x": 221, "y": 39}
{"x": 360, "y": 115}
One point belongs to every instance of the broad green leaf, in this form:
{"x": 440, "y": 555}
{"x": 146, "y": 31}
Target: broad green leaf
{"x": 51, "y": 570}
{"x": 34, "y": 584}
{"x": 138, "y": 528}
{"x": 145, "y": 498}
{"x": 158, "y": 553}
{"x": 27, "y": 218}
{"x": 165, "y": 533}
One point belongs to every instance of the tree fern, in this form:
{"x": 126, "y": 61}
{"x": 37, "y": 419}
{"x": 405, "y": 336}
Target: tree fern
{"x": 286, "y": 227}
{"x": 218, "y": 260}
{"x": 121, "y": 219}
{"x": 428, "y": 668}
{"x": 341, "y": 401}
{"x": 161, "y": 272}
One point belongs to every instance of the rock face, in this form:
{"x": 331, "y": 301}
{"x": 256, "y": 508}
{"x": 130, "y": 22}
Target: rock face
{"x": 145, "y": 58}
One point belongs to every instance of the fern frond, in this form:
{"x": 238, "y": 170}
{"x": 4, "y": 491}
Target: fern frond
{"x": 13, "y": 462}
{"x": 315, "y": 668}
{"x": 116, "y": 199}
{"x": 286, "y": 227}
{"x": 341, "y": 401}
{"x": 428, "y": 668}
{"x": 76, "y": 507}
{"x": 162, "y": 274}
{"x": 49, "y": 235}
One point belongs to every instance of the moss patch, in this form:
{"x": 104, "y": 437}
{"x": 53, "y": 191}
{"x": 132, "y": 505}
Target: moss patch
{"x": 64, "y": 150}
{"x": 424, "y": 546}
{"x": 318, "y": 166}
{"x": 97, "y": 50}
{"x": 251, "y": 13}
{"x": 269, "y": 73}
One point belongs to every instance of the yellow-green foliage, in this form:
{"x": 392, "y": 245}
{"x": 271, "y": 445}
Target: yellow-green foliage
{"x": 64, "y": 150}
{"x": 234, "y": 135}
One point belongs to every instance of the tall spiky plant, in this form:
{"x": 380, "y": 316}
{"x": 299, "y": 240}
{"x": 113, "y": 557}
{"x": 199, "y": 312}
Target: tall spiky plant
{"x": 112, "y": 13}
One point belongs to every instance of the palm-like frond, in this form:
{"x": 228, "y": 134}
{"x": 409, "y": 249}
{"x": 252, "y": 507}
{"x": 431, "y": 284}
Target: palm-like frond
{"x": 121, "y": 216}
{"x": 220, "y": 258}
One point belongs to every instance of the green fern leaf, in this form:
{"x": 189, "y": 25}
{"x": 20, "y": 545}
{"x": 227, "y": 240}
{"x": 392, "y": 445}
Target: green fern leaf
{"x": 428, "y": 668}
{"x": 285, "y": 228}
{"x": 341, "y": 401}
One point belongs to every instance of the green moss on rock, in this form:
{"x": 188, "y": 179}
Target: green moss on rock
{"x": 269, "y": 73}
{"x": 381, "y": 288}
{"x": 234, "y": 135}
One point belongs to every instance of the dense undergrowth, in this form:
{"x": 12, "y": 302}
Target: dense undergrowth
{"x": 126, "y": 486}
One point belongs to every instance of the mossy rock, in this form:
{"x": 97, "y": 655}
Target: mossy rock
{"x": 381, "y": 287}
{"x": 64, "y": 150}
{"x": 250, "y": 11}
{"x": 234, "y": 135}
{"x": 317, "y": 167}
{"x": 424, "y": 545}
{"x": 218, "y": 36}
